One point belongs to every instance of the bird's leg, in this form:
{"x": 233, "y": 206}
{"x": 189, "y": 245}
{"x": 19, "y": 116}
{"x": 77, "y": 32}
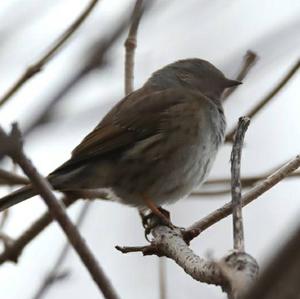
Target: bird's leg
{"x": 152, "y": 219}
{"x": 162, "y": 214}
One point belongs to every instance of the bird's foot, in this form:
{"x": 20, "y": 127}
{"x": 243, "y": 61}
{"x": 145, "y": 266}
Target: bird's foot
{"x": 154, "y": 219}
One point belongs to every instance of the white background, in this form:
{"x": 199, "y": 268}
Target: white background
{"x": 220, "y": 31}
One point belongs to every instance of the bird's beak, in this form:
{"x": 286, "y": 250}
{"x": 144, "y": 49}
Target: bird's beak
{"x": 231, "y": 83}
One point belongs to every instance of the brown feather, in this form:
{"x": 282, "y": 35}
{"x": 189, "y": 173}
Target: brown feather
{"x": 137, "y": 117}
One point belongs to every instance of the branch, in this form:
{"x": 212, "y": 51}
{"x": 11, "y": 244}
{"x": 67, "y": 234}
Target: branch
{"x": 16, "y": 247}
{"x": 239, "y": 280}
{"x": 162, "y": 278}
{"x": 53, "y": 274}
{"x": 14, "y": 251}
{"x": 250, "y": 60}
{"x": 247, "y": 182}
{"x": 236, "y": 189}
{"x": 262, "y": 103}
{"x": 38, "y": 66}
{"x": 169, "y": 242}
{"x": 130, "y": 45}
{"x": 248, "y": 197}
{"x": 236, "y": 270}
{"x": 96, "y": 59}
{"x": 10, "y": 178}
{"x": 58, "y": 212}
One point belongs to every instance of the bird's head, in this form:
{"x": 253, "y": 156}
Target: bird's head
{"x": 193, "y": 73}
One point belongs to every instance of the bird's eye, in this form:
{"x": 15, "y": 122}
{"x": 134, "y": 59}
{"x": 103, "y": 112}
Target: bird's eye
{"x": 185, "y": 76}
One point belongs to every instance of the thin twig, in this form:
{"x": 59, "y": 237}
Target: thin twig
{"x": 5, "y": 215}
{"x": 37, "y": 67}
{"x": 58, "y": 212}
{"x": 211, "y": 193}
{"x": 249, "y": 61}
{"x": 247, "y": 182}
{"x": 263, "y": 102}
{"x": 10, "y": 178}
{"x": 236, "y": 188}
{"x": 130, "y": 42}
{"x": 96, "y": 59}
{"x": 37, "y": 227}
{"x": 130, "y": 45}
{"x": 53, "y": 275}
{"x": 162, "y": 273}
{"x": 248, "y": 197}
{"x": 14, "y": 251}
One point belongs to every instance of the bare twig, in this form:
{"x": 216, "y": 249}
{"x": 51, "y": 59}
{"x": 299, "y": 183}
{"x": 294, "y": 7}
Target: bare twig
{"x": 236, "y": 188}
{"x": 262, "y": 103}
{"x": 211, "y": 193}
{"x": 58, "y": 212}
{"x": 59, "y": 277}
{"x": 130, "y": 45}
{"x": 247, "y": 182}
{"x": 10, "y": 178}
{"x": 96, "y": 59}
{"x": 169, "y": 242}
{"x": 37, "y": 67}
{"x": 250, "y": 60}
{"x": 54, "y": 275}
{"x": 248, "y": 197}
{"x": 162, "y": 273}
{"x": 13, "y": 252}
{"x": 3, "y": 220}
{"x": 29, "y": 235}
{"x": 48, "y": 281}
{"x": 5, "y": 215}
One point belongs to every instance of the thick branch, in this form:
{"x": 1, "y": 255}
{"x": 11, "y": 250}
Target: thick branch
{"x": 169, "y": 242}
{"x": 58, "y": 212}
{"x": 54, "y": 275}
{"x": 37, "y": 67}
{"x": 248, "y": 197}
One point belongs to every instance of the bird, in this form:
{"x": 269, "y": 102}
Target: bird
{"x": 154, "y": 146}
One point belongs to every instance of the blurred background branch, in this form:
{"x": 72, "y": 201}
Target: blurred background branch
{"x": 38, "y": 66}
{"x": 62, "y": 104}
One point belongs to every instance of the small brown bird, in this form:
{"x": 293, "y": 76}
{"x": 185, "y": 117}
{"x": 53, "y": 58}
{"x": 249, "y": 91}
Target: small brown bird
{"x": 155, "y": 146}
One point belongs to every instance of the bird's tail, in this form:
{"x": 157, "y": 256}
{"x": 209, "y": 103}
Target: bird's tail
{"x": 16, "y": 197}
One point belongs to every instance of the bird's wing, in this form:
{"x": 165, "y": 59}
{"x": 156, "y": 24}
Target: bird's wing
{"x": 137, "y": 117}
